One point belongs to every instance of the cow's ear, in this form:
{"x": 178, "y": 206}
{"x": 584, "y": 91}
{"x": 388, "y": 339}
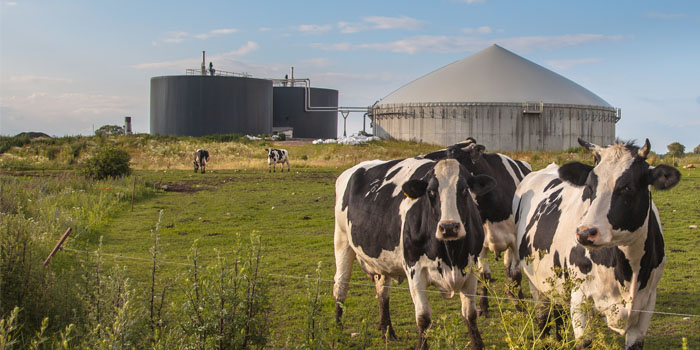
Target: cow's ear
{"x": 664, "y": 177}
{"x": 414, "y": 188}
{"x": 575, "y": 173}
{"x": 481, "y": 184}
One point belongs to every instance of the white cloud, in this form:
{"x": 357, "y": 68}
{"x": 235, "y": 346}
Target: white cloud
{"x": 11, "y": 3}
{"x": 568, "y": 63}
{"x": 478, "y": 30}
{"x": 449, "y": 44}
{"x": 195, "y": 62}
{"x": 35, "y": 79}
{"x": 314, "y": 28}
{"x": 265, "y": 29}
{"x": 174, "y": 37}
{"x": 380, "y": 23}
{"x": 319, "y": 62}
{"x": 215, "y": 32}
{"x": 471, "y": 1}
{"x": 661, "y": 15}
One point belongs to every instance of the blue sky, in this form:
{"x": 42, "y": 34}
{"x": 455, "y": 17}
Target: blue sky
{"x": 68, "y": 66}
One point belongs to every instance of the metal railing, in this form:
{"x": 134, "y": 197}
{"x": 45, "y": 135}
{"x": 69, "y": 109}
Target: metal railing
{"x": 222, "y": 73}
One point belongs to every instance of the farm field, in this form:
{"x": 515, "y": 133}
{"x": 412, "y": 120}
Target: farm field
{"x": 293, "y": 214}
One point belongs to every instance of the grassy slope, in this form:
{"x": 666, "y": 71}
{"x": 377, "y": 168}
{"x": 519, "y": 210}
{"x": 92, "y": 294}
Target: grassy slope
{"x": 294, "y": 213}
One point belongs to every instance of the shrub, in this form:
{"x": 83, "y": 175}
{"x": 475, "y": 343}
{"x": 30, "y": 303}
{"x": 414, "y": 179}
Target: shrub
{"x": 696, "y": 150}
{"x": 110, "y": 130}
{"x": 676, "y": 149}
{"x": 109, "y": 161}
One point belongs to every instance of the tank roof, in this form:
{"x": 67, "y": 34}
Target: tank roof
{"x": 493, "y": 75}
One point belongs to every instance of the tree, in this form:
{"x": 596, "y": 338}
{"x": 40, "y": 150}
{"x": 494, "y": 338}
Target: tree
{"x": 110, "y": 130}
{"x": 676, "y": 149}
{"x": 696, "y": 150}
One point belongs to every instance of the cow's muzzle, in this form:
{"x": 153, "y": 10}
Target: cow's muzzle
{"x": 449, "y": 230}
{"x": 587, "y": 236}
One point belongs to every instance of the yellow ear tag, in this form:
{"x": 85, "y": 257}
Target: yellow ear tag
{"x": 406, "y": 194}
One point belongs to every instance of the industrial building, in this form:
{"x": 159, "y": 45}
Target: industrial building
{"x": 502, "y": 100}
{"x": 217, "y": 102}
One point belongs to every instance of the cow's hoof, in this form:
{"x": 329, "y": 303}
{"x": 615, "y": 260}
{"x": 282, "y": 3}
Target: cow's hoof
{"x": 388, "y": 333}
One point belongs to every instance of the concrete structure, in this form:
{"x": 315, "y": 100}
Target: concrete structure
{"x": 197, "y": 105}
{"x": 289, "y": 111}
{"x": 502, "y": 100}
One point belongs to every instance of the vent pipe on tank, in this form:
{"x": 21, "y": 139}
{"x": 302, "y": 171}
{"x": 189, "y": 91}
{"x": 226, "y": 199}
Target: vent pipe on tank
{"x": 204, "y": 65}
{"x": 292, "y": 77}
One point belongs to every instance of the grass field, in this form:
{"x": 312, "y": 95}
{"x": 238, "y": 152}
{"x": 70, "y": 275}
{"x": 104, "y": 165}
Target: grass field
{"x": 293, "y": 213}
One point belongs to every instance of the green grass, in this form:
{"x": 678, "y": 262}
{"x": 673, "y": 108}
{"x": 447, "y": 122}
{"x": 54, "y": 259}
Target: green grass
{"x": 294, "y": 214}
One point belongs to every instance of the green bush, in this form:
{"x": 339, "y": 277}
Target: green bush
{"x": 676, "y": 149}
{"x": 110, "y": 130}
{"x": 109, "y": 161}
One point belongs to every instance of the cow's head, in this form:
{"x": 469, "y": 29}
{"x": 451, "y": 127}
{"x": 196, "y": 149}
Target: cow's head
{"x": 617, "y": 190}
{"x": 450, "y": 191}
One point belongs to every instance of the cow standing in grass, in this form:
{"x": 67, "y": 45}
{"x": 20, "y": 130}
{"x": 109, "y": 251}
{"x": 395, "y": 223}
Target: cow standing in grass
{"x": 275, "y": 156}
{"x": 201, "y": 157}
{"x": 414, "y": 219}
{"x": 495, "y": 207}
{"x": 596, "y": 225}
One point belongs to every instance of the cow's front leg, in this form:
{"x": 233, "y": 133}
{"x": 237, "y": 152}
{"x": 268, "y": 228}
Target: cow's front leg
{"x": 468, "y": 295}
{"x": 579, "y": 319}
{"x": 383, "y": 285}
{"x": 418, "y": 286}
{"x": 634, "y": 339}
{"x": 483, "y": 263}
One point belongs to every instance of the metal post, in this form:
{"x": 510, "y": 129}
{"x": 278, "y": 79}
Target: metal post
{"x": 345, "y": 122}
{"x": 292, "y": 77}
{"x": 204, "y": 65}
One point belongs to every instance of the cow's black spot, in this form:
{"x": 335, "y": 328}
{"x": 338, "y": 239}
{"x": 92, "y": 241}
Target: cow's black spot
{"x": 517, "y": 212}
{"x": 392, "y": 174}
{"x": 653, "y": 250}
{"x": 615, "y": 258}
{"x": 546, "y": 216}
{"x": 555, "y": 259}
{"x": 591, "y": 187}
{"x": 514, "y": 167}
{"x": 413, "y": 273}
{"x": 577, "y": 257}
{"x": 629, "y": 204}
{"x": 552, "y": 184}
{"x": 522, "y": 167}
{"x": 439, "y": 268}
{"x": 524, "y": 249}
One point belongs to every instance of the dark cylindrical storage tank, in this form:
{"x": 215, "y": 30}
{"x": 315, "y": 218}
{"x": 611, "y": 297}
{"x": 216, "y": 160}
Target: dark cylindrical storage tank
{"x": 289, "y": 111}
{"x": 193, "y": 105}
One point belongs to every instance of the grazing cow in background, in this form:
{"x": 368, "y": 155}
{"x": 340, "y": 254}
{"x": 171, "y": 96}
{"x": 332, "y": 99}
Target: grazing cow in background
{"x": 494, "y": 207}
{"x": 414, "y": 219}
{"x": 275, "y": 156}
{"x": 598, "y": 225}
{"x": 201, "y": 157}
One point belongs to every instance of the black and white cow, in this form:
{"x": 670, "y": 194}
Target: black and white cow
{"x": 201, "y": 157}
{"x": 494, "y": 206}
{"x": 275, "y": 156}
{"x": 415, "y": 219}
{"x": 598, "y": 225}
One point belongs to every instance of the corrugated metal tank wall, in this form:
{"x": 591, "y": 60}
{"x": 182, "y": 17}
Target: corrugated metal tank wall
{"x": 204, "y": 105}
{"x": 498, "y": 126}
{"x": 288, "y": 110}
